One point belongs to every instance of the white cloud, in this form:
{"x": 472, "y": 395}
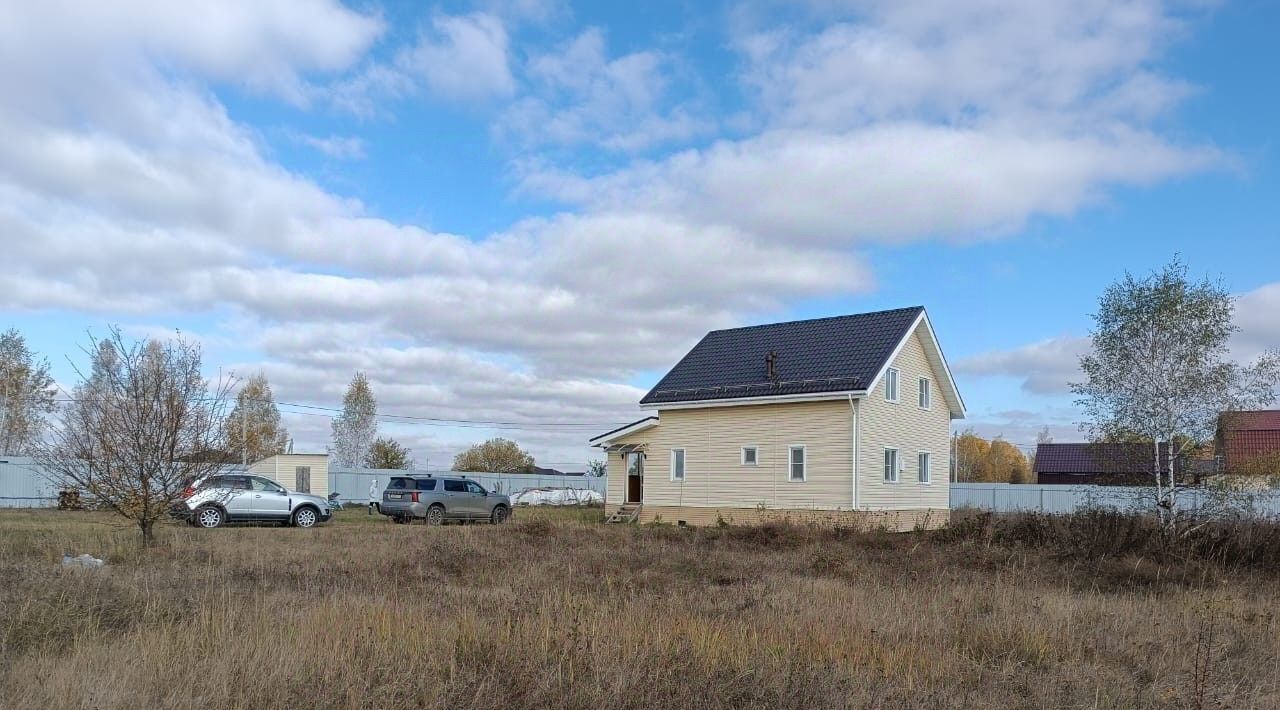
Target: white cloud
{"x": 1045, "y": 367}
{"x": 888, "y": 183}
{"x": 340, "y": 147}
{"x": 460, "y": 58}
{"x": 580, "y": 95}
{"x": 267, "y": 45}
{"x": 1258, "y": 317}
{"x": 903, "y": 121}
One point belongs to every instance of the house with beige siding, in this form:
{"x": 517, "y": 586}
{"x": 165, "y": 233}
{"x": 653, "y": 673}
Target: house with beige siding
{"x": 843, "y": 420}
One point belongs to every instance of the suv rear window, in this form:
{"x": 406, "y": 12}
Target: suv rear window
{"x": 400, "y": 484}
{"x": 426, "y": 484}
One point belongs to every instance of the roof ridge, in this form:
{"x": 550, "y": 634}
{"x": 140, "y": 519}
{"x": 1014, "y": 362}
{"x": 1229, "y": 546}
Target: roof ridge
{"x": 815, "y": 320}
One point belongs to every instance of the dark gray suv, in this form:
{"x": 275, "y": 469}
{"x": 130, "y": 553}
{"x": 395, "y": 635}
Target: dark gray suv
{"x": 436, "y": 500}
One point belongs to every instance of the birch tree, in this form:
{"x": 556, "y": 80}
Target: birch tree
{"x": 355, "y": 429}
{"x": 139, "y": 428}
{"x": 26, "y": 395}
{"x": 1160, "y": 369}
{"x": 254, "y": 431}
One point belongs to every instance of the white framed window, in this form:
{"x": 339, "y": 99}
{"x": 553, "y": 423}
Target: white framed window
{"x": 750, "y": 455}
{"x": 677, "y": 464}
{"x": 891, "y": 385}
{"x": 797, "y": 463}
{"x": 923, "y": 458}
{"x": 891, "y": 464}
{"x": 926, "y": 393}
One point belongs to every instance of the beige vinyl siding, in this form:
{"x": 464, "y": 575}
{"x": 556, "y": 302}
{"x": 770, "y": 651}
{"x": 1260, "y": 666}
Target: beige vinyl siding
{"x": 283, "y": 470}
{"x": 713, "y": 438}
{"x": 909, "y": 429}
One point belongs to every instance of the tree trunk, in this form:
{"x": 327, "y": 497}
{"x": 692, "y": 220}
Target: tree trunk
{"x": 148, "y": 533}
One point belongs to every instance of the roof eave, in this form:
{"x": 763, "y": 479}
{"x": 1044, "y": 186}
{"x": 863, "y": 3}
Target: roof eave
{"x": 763, "y": 399}
{"x": 606, "y": 438}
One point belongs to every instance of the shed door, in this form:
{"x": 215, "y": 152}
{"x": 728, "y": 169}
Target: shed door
{"x": 302, "y": 476}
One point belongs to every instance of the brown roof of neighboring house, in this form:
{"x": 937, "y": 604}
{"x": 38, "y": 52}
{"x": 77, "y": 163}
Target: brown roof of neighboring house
{"x": 1084, "y": 458}
{"x": 1249, "y": 435}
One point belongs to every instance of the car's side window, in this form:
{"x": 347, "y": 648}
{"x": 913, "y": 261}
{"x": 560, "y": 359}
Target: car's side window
{"x": 239, "y": 483}
{"x": 426, "y": 484}
{"x": 473, "y": 487}
{"x": 262, "y": 484}
{"x": 455, "y": 486}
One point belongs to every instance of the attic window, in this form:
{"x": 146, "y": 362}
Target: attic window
{"x": 891, "y": 385}
{"x": 926, "y": 393}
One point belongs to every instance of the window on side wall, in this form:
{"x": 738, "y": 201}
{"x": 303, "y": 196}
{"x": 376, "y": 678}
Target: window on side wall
{"x": 890, "y": 465}
{"x": 750, "y": 456}
{"x": 677, "y": 464}
{"x": 924, "y": 467}
{"x": 798, "y": 462}
{"x": 891, "y": 385}
{"x": 926, "y": 393}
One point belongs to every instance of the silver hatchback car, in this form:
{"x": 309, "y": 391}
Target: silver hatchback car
{"x": 436, "y": 500}
{"x": 237, "y": 498}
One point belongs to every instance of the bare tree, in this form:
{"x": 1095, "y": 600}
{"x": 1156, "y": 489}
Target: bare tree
{"x": 354, "y": 430}
{"x": 597, "y": 468}
{"x": 494, "y": 455}
{"x": 1160, "y": 370}
{"x": 140, "y": 427}
{"x": 254, "y": 431}
{"x": 26, "y": 394}
{"x": 386, "y": 452}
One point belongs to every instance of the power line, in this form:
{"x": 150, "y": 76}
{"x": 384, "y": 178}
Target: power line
{"x": 327, "y": 412}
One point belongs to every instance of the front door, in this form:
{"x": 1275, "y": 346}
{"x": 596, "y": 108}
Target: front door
{"x": 635, "y": 477}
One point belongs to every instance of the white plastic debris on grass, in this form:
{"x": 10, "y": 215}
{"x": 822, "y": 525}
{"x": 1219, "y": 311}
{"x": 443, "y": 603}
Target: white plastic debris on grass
{"x": 557, "y": 496}
{"x": 85, "y": 561}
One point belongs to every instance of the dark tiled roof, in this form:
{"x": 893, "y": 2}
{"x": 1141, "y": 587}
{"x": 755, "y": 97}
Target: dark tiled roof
{"x": 1098, "y": 458}
{"x": 814, "y": 356}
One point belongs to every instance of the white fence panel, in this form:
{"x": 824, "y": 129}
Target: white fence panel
{"x": 22, "y": 485}
{"x": 1009, "y": 498}
{"x": 352, "y": 485}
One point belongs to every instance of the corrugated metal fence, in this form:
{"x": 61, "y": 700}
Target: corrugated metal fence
{"x": 22, "y": 485}
{"x": 1008, "y": 498}
{"x": 352, "y": 485}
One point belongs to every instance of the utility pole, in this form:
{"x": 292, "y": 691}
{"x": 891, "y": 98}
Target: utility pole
{"x": 244, "y": 440}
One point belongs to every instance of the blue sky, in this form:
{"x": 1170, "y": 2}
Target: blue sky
{"x": 525, "y": 211}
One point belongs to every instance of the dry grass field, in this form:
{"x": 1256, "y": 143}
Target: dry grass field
{"x": 557, "y": 610}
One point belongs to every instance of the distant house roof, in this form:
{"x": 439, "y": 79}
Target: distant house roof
{"x": 823, "y": 355}
{"x": 1249, "y": 435}
{"x": 1098, "y": 459}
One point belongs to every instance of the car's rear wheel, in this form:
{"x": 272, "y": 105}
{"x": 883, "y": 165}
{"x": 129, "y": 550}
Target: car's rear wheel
{"x": 500, "y": 514}
{"x": 435, "y": 515}
{"x": 209, "y": 517}
{"x": 306, "y": 517}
